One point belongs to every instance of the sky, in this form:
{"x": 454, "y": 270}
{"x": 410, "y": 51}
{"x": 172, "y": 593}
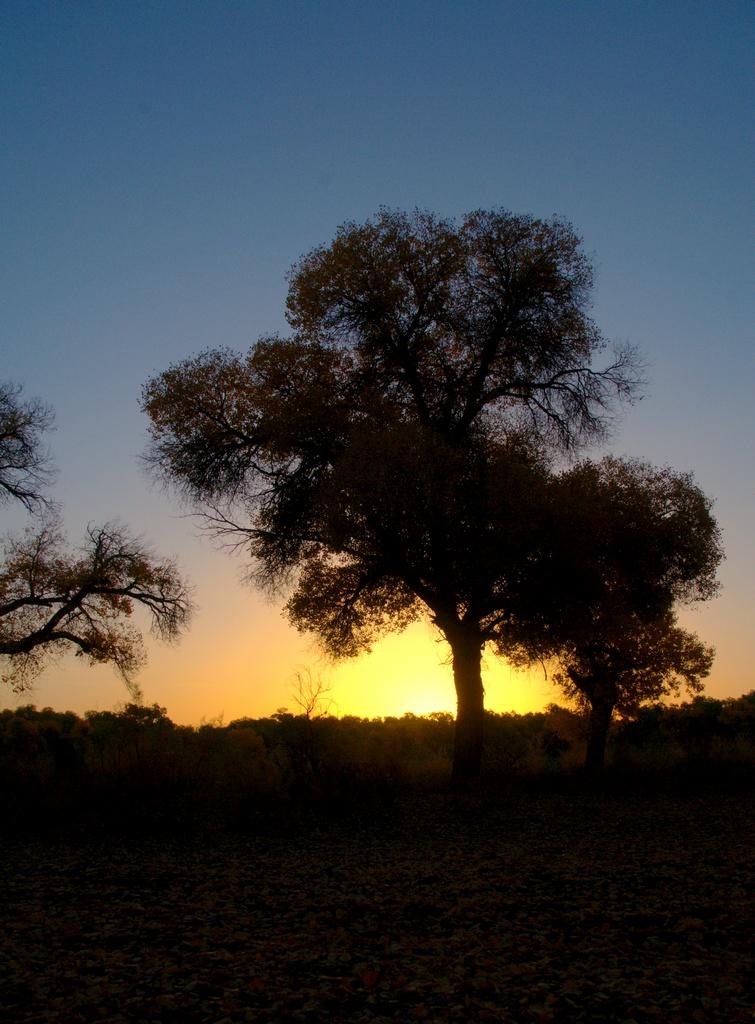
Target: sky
{"x": 164, "y": 164}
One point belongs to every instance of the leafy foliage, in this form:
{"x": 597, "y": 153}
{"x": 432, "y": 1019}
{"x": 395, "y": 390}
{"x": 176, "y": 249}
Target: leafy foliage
{"x": 624, "y": 546}
{"x": 134, "y": 770}
{"x": 51, "y": 598}
{"x": 381, "y": 463}
{"x": 465, "y": 326}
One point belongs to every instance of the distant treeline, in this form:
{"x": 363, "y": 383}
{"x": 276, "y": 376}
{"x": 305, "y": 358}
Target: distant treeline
{"x": 135, "y": 769}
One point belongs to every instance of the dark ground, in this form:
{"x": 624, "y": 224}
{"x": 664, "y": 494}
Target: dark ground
{"x": 550, "y": 907}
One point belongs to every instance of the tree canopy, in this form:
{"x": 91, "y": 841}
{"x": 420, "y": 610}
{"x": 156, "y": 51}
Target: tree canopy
{"x": 479, "y": 325}
{"x": 625, "y": 547}
{"x": 52, "y": 599}
{"x": 389, "y": 459}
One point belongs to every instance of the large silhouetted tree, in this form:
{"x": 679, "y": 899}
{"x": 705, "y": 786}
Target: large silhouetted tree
{"x": 388, "y": 460}
{"x": 53, "y": 599}
{"x": 625, "y": 545}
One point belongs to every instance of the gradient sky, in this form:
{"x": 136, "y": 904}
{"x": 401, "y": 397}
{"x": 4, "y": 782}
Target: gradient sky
{"x": 164, "y": 164}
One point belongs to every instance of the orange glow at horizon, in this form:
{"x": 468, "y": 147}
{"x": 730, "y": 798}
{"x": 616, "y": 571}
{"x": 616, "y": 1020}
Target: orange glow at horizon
{"x": 407, "y": 672}
{"x": 241, "y": 661}
{"x": 411, "y": 672}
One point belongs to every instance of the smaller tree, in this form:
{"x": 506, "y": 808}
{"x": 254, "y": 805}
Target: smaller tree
{"x": 624, "y": 545}
{"x": 52, "y": 599}
{"x": 311, "y": 694}
{"x": 626, "y": 668}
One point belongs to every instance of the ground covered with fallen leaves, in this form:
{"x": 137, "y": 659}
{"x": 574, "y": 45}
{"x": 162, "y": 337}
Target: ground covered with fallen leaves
{"x": 545, "y": 907}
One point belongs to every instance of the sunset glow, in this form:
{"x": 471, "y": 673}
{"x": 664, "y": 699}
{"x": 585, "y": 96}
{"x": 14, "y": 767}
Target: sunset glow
{"x": 245, "y": 666}
{"x": 163, "y": 169}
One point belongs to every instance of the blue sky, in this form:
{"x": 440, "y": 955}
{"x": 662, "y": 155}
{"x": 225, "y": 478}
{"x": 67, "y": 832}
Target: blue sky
{"x": 164, "y": 164}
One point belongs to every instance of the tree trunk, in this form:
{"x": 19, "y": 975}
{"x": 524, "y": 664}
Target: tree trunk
{"x": 467, "y": 662}
{"x": 601, "y": 712}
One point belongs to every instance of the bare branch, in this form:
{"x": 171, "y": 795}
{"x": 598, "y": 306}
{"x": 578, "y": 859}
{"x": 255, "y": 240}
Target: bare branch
{"x": 52, "y": 599}
{"x": 25, "y": 462}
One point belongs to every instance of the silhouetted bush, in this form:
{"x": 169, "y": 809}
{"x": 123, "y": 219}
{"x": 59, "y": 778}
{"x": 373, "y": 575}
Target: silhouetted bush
{"x": 134, "y": 770}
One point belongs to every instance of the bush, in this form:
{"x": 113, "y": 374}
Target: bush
{"x": 134, "y": 770}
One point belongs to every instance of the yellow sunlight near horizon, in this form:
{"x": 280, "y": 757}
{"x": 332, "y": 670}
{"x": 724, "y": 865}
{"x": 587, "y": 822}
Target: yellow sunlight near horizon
{"x": 408, "y": 672}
